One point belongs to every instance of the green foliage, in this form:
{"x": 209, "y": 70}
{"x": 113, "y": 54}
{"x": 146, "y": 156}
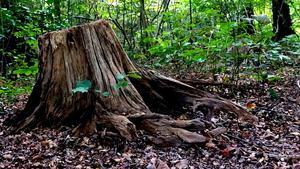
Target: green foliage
{"x": 10, "y": 88}
{"x": 106, "y": 93}
{"x": 85, "y": 85}
{"x": 122, "y": 79}
{"x": 82, "y": 86}
{"x": 121, "y": 84}
{"x": 273, "y": 93}
{"x": 24, "y": 69}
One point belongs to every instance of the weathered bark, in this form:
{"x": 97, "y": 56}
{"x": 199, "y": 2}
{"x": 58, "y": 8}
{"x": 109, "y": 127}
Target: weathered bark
{"x": 93, "y": 52}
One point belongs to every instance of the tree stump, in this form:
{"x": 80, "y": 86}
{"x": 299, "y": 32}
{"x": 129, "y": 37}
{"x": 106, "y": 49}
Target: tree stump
{"x": 92, "y": 52}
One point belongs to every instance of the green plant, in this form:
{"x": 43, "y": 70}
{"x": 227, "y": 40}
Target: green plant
{"x": 82, "y": 86}
{"x": 85, "y": 85}
{"x": 10, "y": 88}
{"x": 273, "y": 93}
{"x": 122, "y": 79}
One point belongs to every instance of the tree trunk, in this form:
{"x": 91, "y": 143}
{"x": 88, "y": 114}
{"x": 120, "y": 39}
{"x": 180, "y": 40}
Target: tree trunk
{"x": 248, "y": 11}
{"x": 4, "y": 4}
{"x": 282, "y": 21}
{"x": 57, "y": 11}
{"x": 92, "y": 52}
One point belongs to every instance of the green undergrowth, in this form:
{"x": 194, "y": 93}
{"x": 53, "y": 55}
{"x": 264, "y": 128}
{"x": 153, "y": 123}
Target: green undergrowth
{"x": 10, "y": 88}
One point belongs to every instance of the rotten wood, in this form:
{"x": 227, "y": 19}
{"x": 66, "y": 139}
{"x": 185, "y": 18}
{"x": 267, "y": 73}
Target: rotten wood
{"x": 217, "y": 131}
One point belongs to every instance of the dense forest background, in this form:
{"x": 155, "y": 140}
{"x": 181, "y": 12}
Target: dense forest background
{"x": 252, "y": 39}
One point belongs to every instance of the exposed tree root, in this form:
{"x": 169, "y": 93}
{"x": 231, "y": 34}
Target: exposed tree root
{"x": 169, "y": 95}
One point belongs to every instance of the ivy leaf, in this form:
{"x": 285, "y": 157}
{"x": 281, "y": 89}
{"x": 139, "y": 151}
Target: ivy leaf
{"x": 121, "y": 84}
{"x": 125, "y": 84}
{"x": 121, "y": 76}
{"x": 22, "y": 71}
{"x": 135, "y": 76}
{"x": 118, "y": 85}
{"x": 199, "y": 58}
{"x": 274, "y": 78}
{"x": 281, "y": 57}
{"x": 106, "y": 94}
{"x": 82, "y": 86}
{"x": 273, "y": 93}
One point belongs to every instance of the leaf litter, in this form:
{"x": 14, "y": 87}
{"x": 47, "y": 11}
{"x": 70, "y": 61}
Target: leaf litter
{"x": 272, "y": 143}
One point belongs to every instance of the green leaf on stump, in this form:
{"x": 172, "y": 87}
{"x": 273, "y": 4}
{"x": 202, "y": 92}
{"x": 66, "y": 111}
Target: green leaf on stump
{"x": 135, "y": 76}
{"x": 125, "y": 84}
{"x": 82, "y": 86}
{"x": 121, "y": 76}
{"x": 118, "y": 85}
{"x": 121, "y": 84}
{"x": 106, "y": 94}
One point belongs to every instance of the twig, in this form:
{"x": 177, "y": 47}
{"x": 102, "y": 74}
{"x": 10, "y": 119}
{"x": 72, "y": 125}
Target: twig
{"x": 81, "y": 17}
{"x": 240, "y": 139}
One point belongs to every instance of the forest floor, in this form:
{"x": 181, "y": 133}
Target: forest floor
{"x": 273, "y": 143}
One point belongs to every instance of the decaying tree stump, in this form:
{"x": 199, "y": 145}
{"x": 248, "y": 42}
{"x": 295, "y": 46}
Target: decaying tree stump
{"x": 92, "y": 52}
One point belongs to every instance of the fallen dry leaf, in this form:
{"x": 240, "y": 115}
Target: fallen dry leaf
{"x": 297, "y": 122}
{"x": 225, "y": 153}
{"x": 211, "y": 145}
{"x": 48, "y": 144}
{"x": 182, "y": 117}
{"x": 38, "y": 157}
{"x": 295, "y": 133}
{"x": 36, "y": 164}
{"x": 45, "y": 143}
{"x": 182, "y": 164}
{"x": 7, "y": 156}
{"x": 250, "y": 105}
{"x": 119, "y": 160}
{"x": 246, "y": 134}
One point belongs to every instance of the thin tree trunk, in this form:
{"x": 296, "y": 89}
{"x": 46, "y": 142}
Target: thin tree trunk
{"x": 282, "y": 21}
{"x": 165, "y": 8}
{"x": 248, "y": 11}
{"x": 143, "y": 26}
{"x": 56, "y": 4}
